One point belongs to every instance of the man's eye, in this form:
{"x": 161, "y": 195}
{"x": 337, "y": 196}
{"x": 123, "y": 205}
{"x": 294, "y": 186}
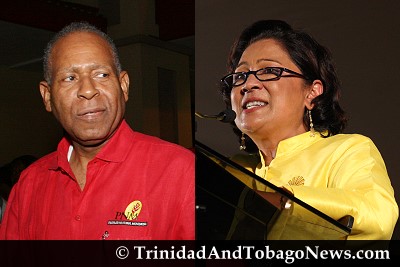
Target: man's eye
{"x": 103, "y": 75}
{"x": 69, "y": 79}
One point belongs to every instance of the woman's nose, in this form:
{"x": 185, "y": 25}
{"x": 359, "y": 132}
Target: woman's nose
{"x": 251, "y": 83}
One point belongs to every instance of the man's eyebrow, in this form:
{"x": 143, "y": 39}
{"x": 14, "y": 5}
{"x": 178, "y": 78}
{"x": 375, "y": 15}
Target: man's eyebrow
{"x": 74, "y": 68}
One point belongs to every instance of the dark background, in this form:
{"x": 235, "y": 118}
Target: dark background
{"x": 364, "y": 38}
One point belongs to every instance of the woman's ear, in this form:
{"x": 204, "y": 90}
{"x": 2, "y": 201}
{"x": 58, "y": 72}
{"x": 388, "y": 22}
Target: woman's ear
{"x": 316, "y": 89}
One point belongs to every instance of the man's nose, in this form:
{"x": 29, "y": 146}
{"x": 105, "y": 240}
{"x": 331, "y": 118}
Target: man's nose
{"x": 87, "y": 88}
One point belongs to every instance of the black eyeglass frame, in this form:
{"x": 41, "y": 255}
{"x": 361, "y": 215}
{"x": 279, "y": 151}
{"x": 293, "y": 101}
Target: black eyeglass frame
{"x": 254, "y": 72}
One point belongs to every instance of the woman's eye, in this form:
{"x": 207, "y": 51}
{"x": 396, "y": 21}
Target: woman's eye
{"x": 275, "y": 71}
{"x": 240, "y": 76}
{"x": 267, "y": 71}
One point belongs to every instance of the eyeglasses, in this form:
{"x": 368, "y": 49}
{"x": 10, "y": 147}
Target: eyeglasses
{"x": 264, "y": 74}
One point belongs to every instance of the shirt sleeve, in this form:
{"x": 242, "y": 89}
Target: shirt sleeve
{"x": 358, "y": 186}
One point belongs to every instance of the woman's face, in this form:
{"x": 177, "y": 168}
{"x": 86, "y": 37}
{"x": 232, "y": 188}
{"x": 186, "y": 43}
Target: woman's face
{"x": 269, "y": 107}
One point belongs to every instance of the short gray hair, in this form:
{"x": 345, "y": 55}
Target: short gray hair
{"x": 72, "y": 28}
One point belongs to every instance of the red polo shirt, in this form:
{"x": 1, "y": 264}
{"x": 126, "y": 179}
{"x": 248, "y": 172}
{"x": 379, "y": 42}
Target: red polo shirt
{"x": 137, "y": 187}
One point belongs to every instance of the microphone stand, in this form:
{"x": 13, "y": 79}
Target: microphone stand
{"x": 227, "y": 115}
{"x": 203, "y": 116}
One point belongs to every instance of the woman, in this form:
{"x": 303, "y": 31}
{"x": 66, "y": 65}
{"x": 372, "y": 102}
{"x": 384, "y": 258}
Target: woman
{"x": 285, "y": 91}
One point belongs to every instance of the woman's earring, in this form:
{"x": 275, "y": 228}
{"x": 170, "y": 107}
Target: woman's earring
{"x": 312, "y": 131}
{"x": 242, "y": 142}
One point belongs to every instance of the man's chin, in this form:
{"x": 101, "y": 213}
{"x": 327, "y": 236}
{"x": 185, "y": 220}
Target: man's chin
{"x": 91, "y": 137}
{"x": 90, "y": 141}
{"x": 93, "y": 142}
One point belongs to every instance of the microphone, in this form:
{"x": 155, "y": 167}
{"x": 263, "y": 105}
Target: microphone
{"x": 228, "y": 115}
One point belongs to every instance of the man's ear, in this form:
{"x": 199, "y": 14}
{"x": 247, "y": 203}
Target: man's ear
{"x": 124, "y": 80}
{"x": 46, "y": 95}
{"x": 316, "y": 89}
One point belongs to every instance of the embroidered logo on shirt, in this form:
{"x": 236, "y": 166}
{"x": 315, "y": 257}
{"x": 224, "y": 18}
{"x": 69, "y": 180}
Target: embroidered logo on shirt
{"x": 133, "y": 210}
{"x": 129, "y": 216}
{"x": 298, "y": 180}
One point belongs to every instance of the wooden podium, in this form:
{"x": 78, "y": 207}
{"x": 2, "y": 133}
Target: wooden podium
{"x": 228, "y": 209}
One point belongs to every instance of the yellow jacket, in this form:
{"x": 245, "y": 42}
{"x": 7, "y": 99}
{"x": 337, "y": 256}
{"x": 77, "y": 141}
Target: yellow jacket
{"x": 340, "y": 175}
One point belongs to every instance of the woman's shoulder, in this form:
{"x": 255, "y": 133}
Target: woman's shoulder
{"x": 349, "y": 137}
{"x": 350, "y": 141}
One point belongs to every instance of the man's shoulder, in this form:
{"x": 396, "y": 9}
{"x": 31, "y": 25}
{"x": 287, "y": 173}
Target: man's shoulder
{"x": 157, "y": 144}
{"x": 45, "y": 161}
{"x": 149, "y": 142}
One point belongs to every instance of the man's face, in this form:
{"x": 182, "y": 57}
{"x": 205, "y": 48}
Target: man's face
{"x": 86, "y": 94}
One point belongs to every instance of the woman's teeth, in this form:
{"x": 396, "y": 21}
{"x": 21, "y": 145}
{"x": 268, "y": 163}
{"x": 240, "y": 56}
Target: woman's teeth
{"x": 254, "y": 104}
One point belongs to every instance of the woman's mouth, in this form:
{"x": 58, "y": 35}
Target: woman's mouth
{"x": 254, "y": 104}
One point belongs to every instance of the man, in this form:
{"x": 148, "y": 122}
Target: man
{"x": 105, "y": 181}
